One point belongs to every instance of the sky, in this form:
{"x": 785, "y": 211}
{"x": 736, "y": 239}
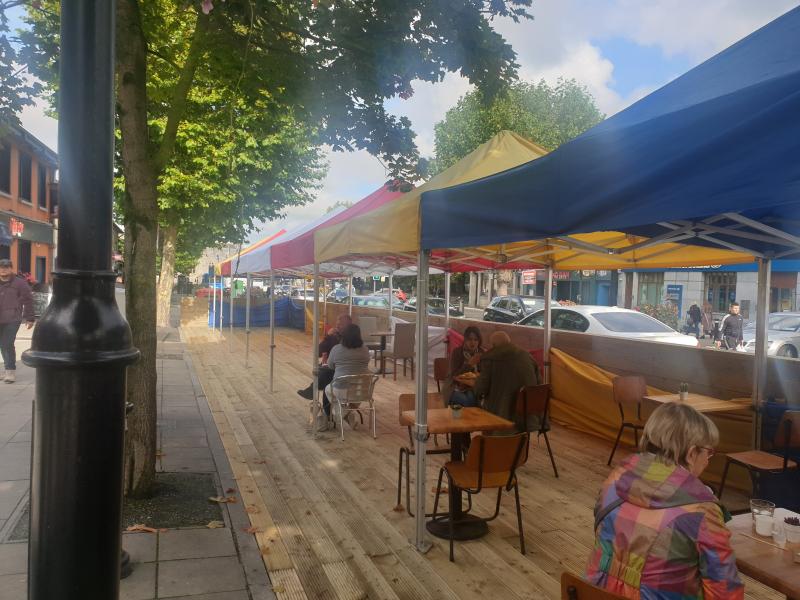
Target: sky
{"x": 619, "y": 49}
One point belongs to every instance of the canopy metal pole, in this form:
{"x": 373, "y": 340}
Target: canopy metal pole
{"x": 325, "y": 306}
{"x": 272, "y": 331}
{"x": 213, "y": 303}
{"x": 247, "y": 322}
{"x": 315, "y": 353}
{"x": 760, "y": 365}
{"x": 421, "y": 406}
{"x": 447, "y": 300}
{"x": 221, "y": 298}
{"x": 230, "y": 317}
{"x": 548, "y": 296}
{"x": 350, "y": 296}
{"x": 391, "y": 297}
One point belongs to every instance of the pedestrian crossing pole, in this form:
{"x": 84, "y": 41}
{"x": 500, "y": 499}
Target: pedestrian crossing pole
{"x": 82, "y": 345}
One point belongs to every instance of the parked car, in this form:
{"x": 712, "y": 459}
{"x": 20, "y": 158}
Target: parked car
{"x": 337, "y": 295}
{"x": 300, "y": 294}
{"x": 369, "y": 301}
{"x": 435, "y": 307}
{"x": 783, "y": 335}
{"x": 510, "y": 309}
{"x": 610, "y": 321}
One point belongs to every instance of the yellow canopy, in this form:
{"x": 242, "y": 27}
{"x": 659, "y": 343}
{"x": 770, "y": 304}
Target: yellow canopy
{"x": 394, "y": 227}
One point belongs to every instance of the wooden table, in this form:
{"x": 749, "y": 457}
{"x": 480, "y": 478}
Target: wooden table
{"x": 758, "y": 558}
{"x": 441, "y": 421}
{"x": 701, "y": 403}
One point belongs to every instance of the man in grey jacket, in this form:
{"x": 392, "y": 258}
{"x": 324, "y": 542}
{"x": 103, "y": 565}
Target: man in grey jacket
{"x": 16, "y": 305}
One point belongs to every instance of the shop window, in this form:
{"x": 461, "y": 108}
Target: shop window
{"x": 41, "y": 269}
{"x": 5, "y": 251}
{"x": 651, "y": 288}
{"x": 5, "y": 169}
{"x": 23, "y": 257}
{"x": 720, "y": 290}
{"x": 25, "y": 168}
{"x": 41, "y": 192}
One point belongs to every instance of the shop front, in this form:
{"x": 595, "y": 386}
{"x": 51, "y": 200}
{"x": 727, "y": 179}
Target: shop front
{"x": 30, "y": 247}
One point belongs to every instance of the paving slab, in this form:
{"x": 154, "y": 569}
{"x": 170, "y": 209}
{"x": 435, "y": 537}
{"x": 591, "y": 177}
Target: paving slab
{"x": 141, "y": 546}
{"x": 13, "y": 587}
{"x": 13, "y": 559}
{"x": 195, "y": 543}
{"x": 141, "y": 584}
{"x": 199, "y": 576}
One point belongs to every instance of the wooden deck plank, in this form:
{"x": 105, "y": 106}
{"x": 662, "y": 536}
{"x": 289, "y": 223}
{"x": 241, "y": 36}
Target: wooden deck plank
{"x": 327, "y": 507}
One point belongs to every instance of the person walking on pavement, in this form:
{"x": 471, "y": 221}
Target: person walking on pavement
{"x": 731, "y": 327}
{"x": 16, "y": 305}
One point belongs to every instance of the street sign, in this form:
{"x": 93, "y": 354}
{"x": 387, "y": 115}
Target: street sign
{"x": 376, "y": 278}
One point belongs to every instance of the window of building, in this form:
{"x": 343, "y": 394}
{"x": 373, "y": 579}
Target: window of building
{"x": 41, "y": 193}
{"x": 41, "y": 269}
{"x": 720, "y": 290}
{"x": 651, "y": 288}
{"x": 5, "y": 169}
{"x": 5, "y": 251}
{"x": 23, "y": 256}
{"x": 25, "y": 168}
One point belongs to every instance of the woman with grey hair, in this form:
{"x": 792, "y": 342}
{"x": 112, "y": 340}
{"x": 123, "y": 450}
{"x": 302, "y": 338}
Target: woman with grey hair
{"x": 659, "y": 531}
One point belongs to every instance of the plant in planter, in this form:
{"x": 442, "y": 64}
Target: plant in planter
{"x": 683, "y": 391}
{"x": 792, "y": 527}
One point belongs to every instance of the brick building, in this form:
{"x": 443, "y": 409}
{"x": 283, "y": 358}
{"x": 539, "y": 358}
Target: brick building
{"x": 28, "y": 201}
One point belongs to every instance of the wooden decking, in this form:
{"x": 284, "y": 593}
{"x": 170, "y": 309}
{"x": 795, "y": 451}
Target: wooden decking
{"x": 325, "y": 510}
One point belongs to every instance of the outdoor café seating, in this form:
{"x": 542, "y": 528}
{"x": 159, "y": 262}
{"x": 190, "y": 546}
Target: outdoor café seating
{"x": 758, "y": 462}
{"x": 402, "y": 349}
{"x": 491, "y": 463}
{"x": 534, "y": 401}
{"x": 354, "y": 394}
{"x": 575, "y": 588}
{"x": 441, "y": 369}
{"x": 628, "y": 393}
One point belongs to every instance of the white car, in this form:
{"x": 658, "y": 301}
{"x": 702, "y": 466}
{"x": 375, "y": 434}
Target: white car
{"x": 610, "y": 321}
{"x": 783, "y": 335}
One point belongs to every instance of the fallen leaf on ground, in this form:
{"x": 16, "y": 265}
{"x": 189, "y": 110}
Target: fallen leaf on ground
{"x": 399, "y": 508}
{"x": 215, "y": 525}
{"x": 278, "y": 589}
{"x": 265, "y": 551}
{"x": 230, "y": 491}
{"x": 253, "y": 510}
{"x": 253, "y": 529}
{"x": 223, "y": 499}
{"x": 144, "y": 528}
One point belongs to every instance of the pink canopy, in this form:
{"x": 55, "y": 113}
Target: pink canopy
{"x": 299, "y": 251}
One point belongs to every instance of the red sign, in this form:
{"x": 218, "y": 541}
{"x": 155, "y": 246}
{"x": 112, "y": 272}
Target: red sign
{"x": 16, "y": 226}
{"x": 529, "y": 278}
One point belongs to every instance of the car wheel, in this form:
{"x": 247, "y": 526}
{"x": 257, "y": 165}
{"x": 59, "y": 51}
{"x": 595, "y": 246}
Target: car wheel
{"x": 788, "y": 352}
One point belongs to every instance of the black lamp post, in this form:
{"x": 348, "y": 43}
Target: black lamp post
{"x": 82, "y": 345}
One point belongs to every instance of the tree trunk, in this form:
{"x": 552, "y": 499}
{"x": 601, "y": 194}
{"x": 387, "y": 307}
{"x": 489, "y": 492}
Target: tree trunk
{"x": 170, "y": 235}
{"x": 141, "y": 221}
{"x": 503, "y": 281}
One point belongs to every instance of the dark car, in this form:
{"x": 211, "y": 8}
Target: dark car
{"x": 510, "y": 309}
{"x": 435, "y": 307}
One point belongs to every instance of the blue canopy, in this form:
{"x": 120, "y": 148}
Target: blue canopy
{"x": 712, "y": 158}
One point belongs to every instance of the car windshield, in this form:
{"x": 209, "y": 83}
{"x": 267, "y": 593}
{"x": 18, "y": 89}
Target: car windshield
{"x": 784, "y": 323}
{"x": 533, "y": 303}
{"x": 631, "y": 322}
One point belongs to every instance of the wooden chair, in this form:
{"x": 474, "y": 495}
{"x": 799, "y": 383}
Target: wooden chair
{"x": 575, "y": 588}
{"x": 353, "y": 393}
{"x": 441, "y": 370}
{"x": 407, "y": 402}
{"x": 757, "y": 462}
{"x": 369, "y": 325}
{"x": 402, "y": 349}
{"x": 628, "y": 393}
{"x": 534, "y": 401}
{"x": 491, "y": 462}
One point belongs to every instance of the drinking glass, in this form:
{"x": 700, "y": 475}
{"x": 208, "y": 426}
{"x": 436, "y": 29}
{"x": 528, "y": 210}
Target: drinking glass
{"x": 761, "y": 507}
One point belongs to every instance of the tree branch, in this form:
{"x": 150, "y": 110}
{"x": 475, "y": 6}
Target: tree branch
{"x": 180, "y": 94}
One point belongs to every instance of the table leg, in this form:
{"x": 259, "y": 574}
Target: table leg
{"x": 382, "y": 370}
{"x": 465, "y": 526}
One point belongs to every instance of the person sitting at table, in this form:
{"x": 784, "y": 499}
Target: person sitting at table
{"x": 660, "y": 531}
{"x": 464, "y": 359}
{"x": 503, "y": 371}
{"x": 325, "y": 373}
{"x": 350, "y": 357}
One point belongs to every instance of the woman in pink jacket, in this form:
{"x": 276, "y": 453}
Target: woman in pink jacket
{"x": 660, "y": 532}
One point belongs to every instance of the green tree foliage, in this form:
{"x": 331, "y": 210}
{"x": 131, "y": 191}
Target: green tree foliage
{"x": 17, "y": 89}
{"x": 547, "y": 115}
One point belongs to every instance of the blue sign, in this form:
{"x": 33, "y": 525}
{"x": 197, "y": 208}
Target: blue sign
{"x": 675, "y": 295}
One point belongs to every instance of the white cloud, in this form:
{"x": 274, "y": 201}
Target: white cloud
{"x": 40, "y": 125}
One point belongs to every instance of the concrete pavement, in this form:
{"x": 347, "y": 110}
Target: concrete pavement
{"x": 193, "y": 563}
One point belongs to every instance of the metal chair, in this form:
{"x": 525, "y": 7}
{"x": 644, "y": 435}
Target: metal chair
{"x": 534, "y": 401}
{"x": 402, "y": 349}
{"x": 491, "y": 463}
{"x": 628, "y": 393}
{"x": 350, "y": 393}
{"x": 757, "y": 462}
{"x": 406, "y": 402}
{"x": 575, "y": 588}
{"x": 441, "y": 370}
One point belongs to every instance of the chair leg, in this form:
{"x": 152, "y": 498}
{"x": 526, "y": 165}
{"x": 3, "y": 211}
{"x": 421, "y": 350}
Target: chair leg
{"x": 374, "y": 425}
{"x": 400, "y": 474}
{"x": 616, "y": 443}
{"x": 394, "y": 368}
{"x": 636, "y": 437}
{"x": 519, "y": 519}
{"x": 404, "y": 367}
{"x": 408, "y": 484}
{"x": 550, "y": 452}
{"x": 438, "y": 493}
{"x": 341, "y": 420}
{"x": 450, "y": 521}
{"x": 724, "y": 477}
{"x": 412, "y": 368}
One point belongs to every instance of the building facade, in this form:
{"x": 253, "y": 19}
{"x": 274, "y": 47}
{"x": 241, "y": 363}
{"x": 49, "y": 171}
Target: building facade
{"x": 28, "y": 203}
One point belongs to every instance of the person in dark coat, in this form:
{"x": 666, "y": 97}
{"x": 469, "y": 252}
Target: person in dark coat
{"x": 503, "y": 371}
{"x": 16, "y": 305}
{"x": 731, "y": 329}
{"x": 325, "y": 373}
{"x": 463, "y": 359}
